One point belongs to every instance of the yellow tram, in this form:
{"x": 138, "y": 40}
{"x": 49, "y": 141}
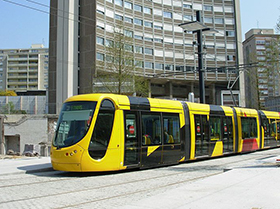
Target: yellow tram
{"x": 105, "y": 132}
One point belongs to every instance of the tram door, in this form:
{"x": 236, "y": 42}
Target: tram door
{"x": 227, "y": 135}
{"x": 131, "y": 155}
{"x": 172, "y": 152}
{"x": 201, "y": 135}
{"x": 151, "y": 142}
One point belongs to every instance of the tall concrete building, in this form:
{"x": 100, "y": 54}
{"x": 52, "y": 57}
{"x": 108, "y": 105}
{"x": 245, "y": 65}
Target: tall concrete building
{"x": 262, "y": 80}
{"x": 79, "y": 30}
{"x": 24, "y": 70}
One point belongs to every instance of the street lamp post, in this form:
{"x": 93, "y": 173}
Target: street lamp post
{"x": 200, "y": 61}
{"x": 199, "y": 28}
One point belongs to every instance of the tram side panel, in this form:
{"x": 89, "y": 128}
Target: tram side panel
{"x": 212, "y": 130}
{"x": 270, "y": 128}
{"x": 161, "y": 133}
{"x": 105, "y": 145}
{"x": 248, "y": 130}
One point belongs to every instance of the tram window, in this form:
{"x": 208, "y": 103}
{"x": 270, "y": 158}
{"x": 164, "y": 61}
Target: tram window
{"x": 130, "y": 122}
{"x": 151, "y": 129}
{"x": 276, "y": 128}
{"x": 215, "y": 127}
{"x": 273, "y": 128}
{"x": 102, "y": 130}
{"x": 171, "y": 127}
{"x": 249, "y": 127}
{"x": 227, "y": 127}
{"x": 73, "y": 123}
{"x": 266, "y": 128}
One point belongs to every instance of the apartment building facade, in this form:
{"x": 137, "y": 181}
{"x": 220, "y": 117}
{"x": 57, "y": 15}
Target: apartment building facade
{"x": 80, "y": 30}
{"x": 262, "y": 70}
{"x": 24, "y": 70}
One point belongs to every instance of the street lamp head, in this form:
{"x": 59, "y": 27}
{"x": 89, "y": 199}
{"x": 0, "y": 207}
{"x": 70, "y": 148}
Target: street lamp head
{"x": 193, "y": 26}
{"x": 207, "y": 31}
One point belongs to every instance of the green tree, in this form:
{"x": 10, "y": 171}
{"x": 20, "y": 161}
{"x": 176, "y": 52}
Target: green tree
{"x": 271, "y": 65}
{"x": 252, "y": 81}
{"x": 10, "y": 109}
{"x": 118, "y": 71}
{"x": 7, "y": 93}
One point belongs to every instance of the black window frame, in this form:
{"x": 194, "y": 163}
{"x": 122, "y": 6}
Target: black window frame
{"x": 250, "y": 134}
{"x": 98, "y": 146}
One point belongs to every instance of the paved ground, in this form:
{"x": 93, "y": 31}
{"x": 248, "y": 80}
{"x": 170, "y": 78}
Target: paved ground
{"x": 12, "y": 165}
{"x": 240, "y": 181}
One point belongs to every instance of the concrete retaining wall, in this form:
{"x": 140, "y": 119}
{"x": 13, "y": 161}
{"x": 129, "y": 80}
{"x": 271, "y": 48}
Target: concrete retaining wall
{"x": 22, "y": 132}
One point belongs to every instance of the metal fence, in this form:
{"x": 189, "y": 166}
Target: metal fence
{"x": 23, "y": 105}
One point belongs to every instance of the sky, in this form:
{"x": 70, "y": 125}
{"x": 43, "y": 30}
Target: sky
{"x": 22, "y": 26}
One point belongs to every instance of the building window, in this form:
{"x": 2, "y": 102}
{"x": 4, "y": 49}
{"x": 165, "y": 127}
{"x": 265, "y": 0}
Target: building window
{"x": 148, "y": 24}
{"x": 148, "y": 39}
{"x": 138, "y": 37}
{"x": 109, "y": 43}
{"x": 139, "y": 63}
{"x": 128, "y": 5}
{"x": 219, "y": 20}
{"x": 208, "y": 8}
{"x": 158, "y": 27}
{"x": 137, "y": 8}
{"x": 168, "y": 67}
{"x": 118, "y": 17}
{"x": 167, "y": 14}
{"x": 149, "y": 65}
{"x": 208, "y": 20}
{"x": 100, "y": 40}
{"x": 261, "y": 58}
{"x": 260, "y": 47}
{"x": 100, "y": 56}
{"x": 147, "y": 10}
{"x": 129, "y": 20}
{"x": 230, "y": 33}
{"x": 179, "y": 68}
{"x": 231, "y": 58}
{"x": 149, "y": 51}
{"x": 128, "y": 33}
{"x": 139, "y": 49}
{"x": 158, "y": 40}
{"x": 138, "y": 21}
{"x": 119, "y": 2}
{"x": 187, "y": 6}
{"x": 188, "y": 17}
{"x": 128, "y": 47}
{"x": 260, "y": 42}
{"x": 158, "y": 66}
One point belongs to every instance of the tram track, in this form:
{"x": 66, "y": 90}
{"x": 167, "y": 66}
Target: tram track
{"x": 69, "y": 178}
{"x": 171, "y": 172}
{"x": 114, "y": 185}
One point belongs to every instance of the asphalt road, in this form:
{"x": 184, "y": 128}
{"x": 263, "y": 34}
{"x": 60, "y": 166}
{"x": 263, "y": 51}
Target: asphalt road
{"x": 240, "y": 181}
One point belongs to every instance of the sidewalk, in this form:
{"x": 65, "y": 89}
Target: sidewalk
{"x": 253, "y": 186}
{"x": 22, "y": 164}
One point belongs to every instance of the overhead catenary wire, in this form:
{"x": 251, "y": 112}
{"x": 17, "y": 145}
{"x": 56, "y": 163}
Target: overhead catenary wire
{"x": 79, "y": 16}
{"x": 54, "y": 8}
{"x": 50, "y": 13}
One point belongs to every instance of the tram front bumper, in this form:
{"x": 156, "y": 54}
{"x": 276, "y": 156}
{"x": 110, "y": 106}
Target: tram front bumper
{"x": 67, "y": 159}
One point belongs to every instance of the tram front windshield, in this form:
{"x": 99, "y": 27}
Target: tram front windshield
{"x": 73, "y": 123}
